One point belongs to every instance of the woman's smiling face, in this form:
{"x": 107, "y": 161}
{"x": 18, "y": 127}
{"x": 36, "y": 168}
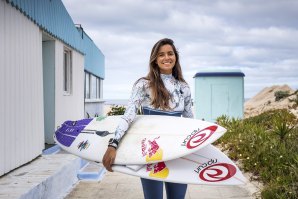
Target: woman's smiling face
{"x": 166, "y": 59}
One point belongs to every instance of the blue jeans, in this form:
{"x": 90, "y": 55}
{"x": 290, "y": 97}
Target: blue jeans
{"x": 154, "y": 189}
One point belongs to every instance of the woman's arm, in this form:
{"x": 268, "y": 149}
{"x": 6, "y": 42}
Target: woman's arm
{"x": 136, "y": 98}
{"x": 135, "y": 101}
{"x": 187, "y": 112}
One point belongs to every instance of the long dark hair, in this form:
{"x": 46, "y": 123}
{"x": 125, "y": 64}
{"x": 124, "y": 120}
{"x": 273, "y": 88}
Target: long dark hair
{"x": 160, "y": 95}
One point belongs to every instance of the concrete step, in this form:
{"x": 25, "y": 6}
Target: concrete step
{"x": 91, "y": 171}
{"x": 48, "y": 176}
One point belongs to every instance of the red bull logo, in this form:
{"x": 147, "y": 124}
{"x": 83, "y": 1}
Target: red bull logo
{"x": 151, "y": 150}
{"x": 217, "y": 172}
{"x": 198, "y": 137}
{"x": 158, "y": 170}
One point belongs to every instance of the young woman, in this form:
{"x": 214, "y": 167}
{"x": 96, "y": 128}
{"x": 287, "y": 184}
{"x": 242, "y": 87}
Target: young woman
{"x": 162, "y": 92}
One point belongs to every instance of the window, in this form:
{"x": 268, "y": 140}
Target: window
{"x": 92, "y": 86}
{"x": 67, "y": 72}
{"x": 98, "y": 88}
{"x": 87, "y": 86}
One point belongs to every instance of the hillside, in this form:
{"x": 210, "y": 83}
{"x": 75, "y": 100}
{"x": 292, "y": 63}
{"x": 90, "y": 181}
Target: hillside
{"x": 265, "y": 100}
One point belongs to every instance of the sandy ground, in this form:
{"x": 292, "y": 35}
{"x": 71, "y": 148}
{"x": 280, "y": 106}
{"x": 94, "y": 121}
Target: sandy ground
{"x": 265, "y": 100}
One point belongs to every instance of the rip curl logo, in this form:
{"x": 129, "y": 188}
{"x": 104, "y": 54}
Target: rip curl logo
{"x": 217, "y": 172}
{"x": 204, "y": 165}
{"x": 83, "y": 145}
{"x": 198, "y": 137}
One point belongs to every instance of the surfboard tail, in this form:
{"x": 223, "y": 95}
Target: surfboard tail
{"x": 69, "y": 130}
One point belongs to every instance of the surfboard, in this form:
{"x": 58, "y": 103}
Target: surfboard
{"x": 207, "y": 166}
{"x": 150, "y": 138}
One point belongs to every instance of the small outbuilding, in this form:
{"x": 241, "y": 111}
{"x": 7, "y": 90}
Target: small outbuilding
{"x": 219, "y": 92}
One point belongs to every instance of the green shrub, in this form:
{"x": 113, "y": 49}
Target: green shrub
{"x": 280, "y": 95}
{"x": 267, "y": 146}
{"x": 295, "y": 100}
{"x": 116, "y": 110}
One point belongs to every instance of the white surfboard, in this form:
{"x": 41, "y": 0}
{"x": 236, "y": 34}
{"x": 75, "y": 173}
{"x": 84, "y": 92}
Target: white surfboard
{"x": 150, "y": 138}
{"x": 208, "y": 166}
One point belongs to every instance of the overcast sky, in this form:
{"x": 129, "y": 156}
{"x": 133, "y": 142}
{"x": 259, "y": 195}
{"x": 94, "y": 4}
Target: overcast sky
{"x": 259, "y": 37}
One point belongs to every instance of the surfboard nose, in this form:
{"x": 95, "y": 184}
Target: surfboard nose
{"x": 221, "y": 129}
{"x": 67, "y": 133}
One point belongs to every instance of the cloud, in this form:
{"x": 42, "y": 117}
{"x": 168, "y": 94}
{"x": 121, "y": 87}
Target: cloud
{"x": 258, "y": 37}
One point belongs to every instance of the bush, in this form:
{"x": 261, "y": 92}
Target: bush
{"x": 295, "y": 100}
{"x": 267, "y": 146}
{"x": 116, "y": 110}
{"x": 280, "y": 95}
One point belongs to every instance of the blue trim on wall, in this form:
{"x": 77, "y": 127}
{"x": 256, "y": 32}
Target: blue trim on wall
{"x": 52, "y": 150}
{"x": 52, "y": 17}
{"x": 219, "y": 74}
{"x": 94, "y": 58}
{"x": 90, "y": 176}
{"x": 48, "y": 59}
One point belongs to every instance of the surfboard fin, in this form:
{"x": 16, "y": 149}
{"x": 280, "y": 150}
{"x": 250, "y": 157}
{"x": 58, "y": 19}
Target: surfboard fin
{"x": 103, "y": 133}
{"x": 135, "y": 167}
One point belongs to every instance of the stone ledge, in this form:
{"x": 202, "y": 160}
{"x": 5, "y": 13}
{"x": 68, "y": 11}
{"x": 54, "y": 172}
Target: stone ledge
{"x": 48, "y": 176}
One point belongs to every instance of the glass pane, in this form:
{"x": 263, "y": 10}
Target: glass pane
{"x": 65, "y": 72}
{"x": 97, "y": 88}
{"x": 87, "y": 86}
{"x": 93, "y": 87}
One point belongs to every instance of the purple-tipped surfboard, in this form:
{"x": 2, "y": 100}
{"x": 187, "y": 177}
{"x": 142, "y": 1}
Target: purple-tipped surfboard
{"x": 150, "y": 138}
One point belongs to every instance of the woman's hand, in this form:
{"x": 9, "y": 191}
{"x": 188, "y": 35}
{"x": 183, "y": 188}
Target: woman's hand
{"x": 109, "y": 158}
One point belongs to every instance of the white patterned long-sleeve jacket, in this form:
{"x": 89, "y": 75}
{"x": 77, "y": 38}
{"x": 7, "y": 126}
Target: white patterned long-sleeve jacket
{"x": 180, "y": 102}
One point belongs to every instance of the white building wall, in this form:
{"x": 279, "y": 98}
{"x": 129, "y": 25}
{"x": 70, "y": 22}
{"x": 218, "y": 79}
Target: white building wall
{"x": 69, "y": 107}
{"x": 21, "y": 88}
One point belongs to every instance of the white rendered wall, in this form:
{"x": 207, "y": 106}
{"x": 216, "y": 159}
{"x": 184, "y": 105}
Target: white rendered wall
{"x": 69, "y": 107}
{"x": 21, "y": 89}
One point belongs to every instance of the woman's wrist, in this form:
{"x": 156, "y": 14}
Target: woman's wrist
{"x": 113, "y": 143}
